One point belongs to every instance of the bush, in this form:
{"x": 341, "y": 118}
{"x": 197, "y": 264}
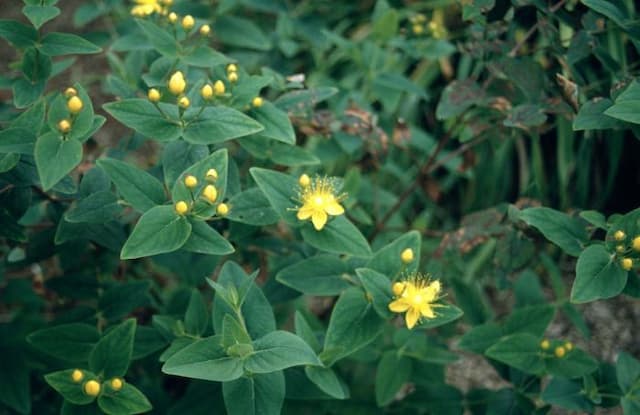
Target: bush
{"x": 264, "y": 207}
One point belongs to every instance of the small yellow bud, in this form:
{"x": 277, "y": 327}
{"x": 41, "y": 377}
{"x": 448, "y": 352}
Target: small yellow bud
{"x": 619, "y": 249}
{"x": 74, "y": 104}
{"x": 70, "y": 92}
{"x": 407, "y": 255}
{"x": 619, "y": 236}
{"x": 210, "y": 193}
{"x": 181, "y": 207}
{"x": 212, "y": 174}
{"x": 568, "y": 346}
{"x": 218, "y": 87}
{"x": 398, "y": 288}
{"x": 153, "y": 95}
{"x": 206, "y": 92}
{"x": 417, "y": 29}
{"x": 222, "y": 209}
{"x": 173, "y": 17}
{"x": 183, "y": 102}
{"x": 626, "y": 264}
{"x": 433, "y": 26}
{"x": 116, "y": 384}
{"x": 188, "y": 22}
{"x": 232, "y": 68}
{"x": 205, "y": 30}
{"x": 77, "y": 375}
{"x": 177, "y": 84}
{"x": 559, "y": 351}
{"x": 635, "y": 244}
{"x": 304, "y": 180}
{"x": 257, "y": 102}
{"x": 92, "y": 388}
{"x": 190, "y": 181}
{"x": 544, "y": 344}
{"x": 64, "y": 126}
{"x": 233, "y": 77}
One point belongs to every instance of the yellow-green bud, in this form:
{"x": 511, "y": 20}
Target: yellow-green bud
{"x": 64, "y": 126}
{"x": 222, "y": 209}
{"x": 626, "y": 263}
{"x": 212, "y": 174}
{"x": 635, "y": 244}
{"x": 619, "y": 249}
{"x": 153, "y": 95}
{"x": 210, "y": 193}
{"x": 181, "y": 207}
{"x": 92, "y": 388}
{"x": 206, "y": 92}
{"x": 232, "y": 68}
{"x": 184, "y": 102}
{"x": 417, "y": 29}
{"x": 116, "y": 384}
{"x": 619, "y": 235}
{"x": 218, "y": 87}
{"x": 70, "y": 92}
{"x": 188, "y": 22}
{"x": 407, "y": 255}
{"x": 544, "y": 344}
{"x": 560, "y": 351}
{"x": 233, "y": 77}
{"x": 190, "y": 181}
{"x": 74, "y": 104}
{"x": 173, "y": 17}
{"x": 304, "y": 180}
{"x": 205, "y": 30}
{"x": 77, "y": 375}
{"x": 398, "y": 288}
{"x": 257, "y": 102}
{"x": 568, "y": 346}
{"x": 177, "y": 84}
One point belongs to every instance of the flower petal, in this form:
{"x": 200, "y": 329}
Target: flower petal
{"x": 319, "y": 219}
{"x": 305, "y": 212}
{"x": 412, "y": 316}
{"x": 334, "y": 208}
{"x": 427, "y": 311}
{"x": 399, "y": 306}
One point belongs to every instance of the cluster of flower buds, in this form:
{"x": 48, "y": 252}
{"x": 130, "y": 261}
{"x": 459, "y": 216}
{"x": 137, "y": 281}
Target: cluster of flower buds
{"x": 74, "y": 106}
{"x": 92, "y": 387}
{"x": 209, "y": 193}
{"x": 560, "y": 350}
{"x": 625, "y": 248}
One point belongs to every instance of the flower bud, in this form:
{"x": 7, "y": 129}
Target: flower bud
{"x": 304, "y": 180}
{"x": 190, "y": 181}
{"x": 77, "y": 375}
{"x": 153, "y": 95}
{"x": 92, "y": 388}
{"x": 626, "y": 264}
{"x": 70, "y": 92}
{"x": 177, "y": 84}
{"x": 620, "y": 248}
{"x": 232, "y": 68}
{"x": 74, "y": 104}
{"x": 116, "y": 384}
{"x": 218, "y": 87}
{"x": 222, "y": 209}
{"x": 212, "y": 174}
{"x": 398, "y": 288}
{"x": 635, "y": 244}
{"x": 568, "y": 346}
{"x": 560, "y": 351}
{"x": 619, "y": 235}
{"x": 64, "y": 126}
{"x": 173, "y": 17}
{"x": 407, "y": 255}
{"x": 210, "y": 193}
{"x": 206, "y": 92}
{"x": 417, "y": 29}
{"x": 181, "y": 207}
{"x": 544, "y": 344}
{"x": 205, "y": 30}
{"x": 233, "y": 77}
{"x": 188, "y": 22}
{"x": 257, "y": 102}
{"x": 184, "y": 102}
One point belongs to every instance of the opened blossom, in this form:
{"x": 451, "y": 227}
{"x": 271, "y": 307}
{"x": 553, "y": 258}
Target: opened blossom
{"x": 416, "y": 298}
{"x": 319, "y": 201}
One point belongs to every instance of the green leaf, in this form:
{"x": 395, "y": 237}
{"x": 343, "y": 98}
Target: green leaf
{"x": 574, "y": 364}
{"x": 319, "y": 275}
{"x": 393, "y": 371}
{"x": 160, "y": 230}
{"x": 71, "y": 391}
{"x": 252, "y": 208}
{"x": 279, "y": 350}
{"x": 521, "y": 351}
{"x": 55, "y": 157}
{"x": 627, "y": 104}
{"x": 178, "y": 156}
{"x": 400, "y": 83}
{"x": 592, "y": 116}
{"x": 627, "y": 372}
{"x": 328, "y": 382}
{"x": 532, "y": 319}
{"x": 378, "y": 287}
{"x": 128, "y": 400}
{"x": 566, "y": 394}
{"x": 196, "y": 317}
{"x": 112, "y": 354}
{"x": 205, "y": 359}
{"x": 276, "y": 123}
{"x": 279, "y": 189}
{"x": 243, "y": 33}
{"x": 139, "y": 188}
{"x": 15, "y": 389}
{"x": 206, "y": 240}
{"x": 608, "y": 8}
{"x": 39, "y": 15}
{"x": 304, "y": 330}
{"x": 205, "y": 57}
{"x": 99, "y": 207}
{"x": 457, "y": 97}
{"x": 219, "y": 124}
{"x": 19, "y": 34}
{"x": 26, "y": 92}
{"x": 339, "y": 236}
{"x": 597, "y": 276}
{"x": 563, "y": 230}
{"x": 300, "y": 101}
{"x": 142, "y": 116}
{"x": 387, "y": 259}
{"x": 481, "y": 337}
{"x": 353, "y": 325}
{"x": 445, "y": 314}
{"x": 72, "y": 342}
{"x": 17, "y": 140}
{"x": 161, "y": 40}
{"x": 261, "y": 394}
{"x": 56, "y": 44}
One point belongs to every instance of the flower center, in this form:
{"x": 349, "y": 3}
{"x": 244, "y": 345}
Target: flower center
{"x": 318, "y": 200}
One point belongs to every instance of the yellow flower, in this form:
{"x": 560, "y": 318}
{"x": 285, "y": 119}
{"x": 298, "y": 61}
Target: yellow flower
{"x": 560, "y": 351}
{"x": 145, "y": 7}
{"x": 544, "y": 344}
{"x": 177, "y": 84}
{"x": 184, "y": 102}
{"x": 218, "y": 87}
{"x": 233, "y": 77}
{"x": 74, "y": 104}
{"x": 636, "y": 243}
{"x": 319, "y": 201}
{"x": 407, "y": 255}
{"x": 257, "y": 102}
{"x": 116, "y": 384}
{"x": 222, "y": 209}
{"x": 92, "y": 388}
{"x": 64, "y": 126}
{"x": 70, "y": 92}
{"x": 210, "y": 193}
{"x": 627, "y": 264}
{"x": 416, "y": 299}
{"x": 190, "y": 181}
{"x": 77, "y": 375}
{"x": 619, "y": 236}
{"x": 188, "y": 22}
{"x": 181, "y": 207}
{"x": 205, "y": 30}
{"x": 153, "y": 95}
{"x": 206, "y": 92}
